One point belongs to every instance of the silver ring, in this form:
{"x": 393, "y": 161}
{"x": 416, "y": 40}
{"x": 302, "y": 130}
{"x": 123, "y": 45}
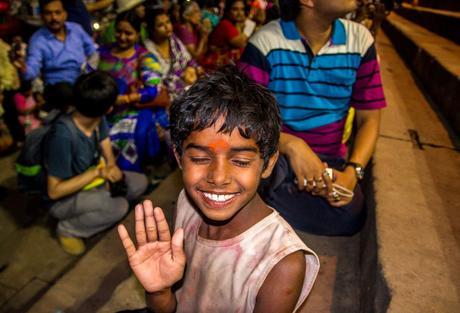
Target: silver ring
{"x": 305, "y": 182}
{"x": 335, "y": 195}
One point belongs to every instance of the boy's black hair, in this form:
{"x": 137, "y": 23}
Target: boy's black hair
{"x": 43, "y": 3}
{"x": 131, "y": 17}
{"x": 95, "y": 93}
{"x": 227, "y": 92}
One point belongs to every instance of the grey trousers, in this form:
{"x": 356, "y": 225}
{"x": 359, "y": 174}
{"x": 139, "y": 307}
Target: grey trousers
{"x": 88, "y": 212}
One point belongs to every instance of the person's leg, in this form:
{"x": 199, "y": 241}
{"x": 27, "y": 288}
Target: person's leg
{"x": 136, "y": 183}
{"x": 314, "y": 215}
{"x": 88, "y": 213}
{"x": 310, "y": 213}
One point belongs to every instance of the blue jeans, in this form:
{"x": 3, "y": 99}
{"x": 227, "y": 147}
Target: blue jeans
{"x": 309, "y": 213}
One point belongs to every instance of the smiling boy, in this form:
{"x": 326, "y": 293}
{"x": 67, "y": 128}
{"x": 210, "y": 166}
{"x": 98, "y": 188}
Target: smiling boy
{"x": 230, "y": 252}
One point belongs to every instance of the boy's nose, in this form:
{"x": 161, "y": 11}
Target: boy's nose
{"x": 219, "y": 173}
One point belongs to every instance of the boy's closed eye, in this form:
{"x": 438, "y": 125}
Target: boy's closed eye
{"x": 241, "y": 162}
{"x": 200, "y": 160}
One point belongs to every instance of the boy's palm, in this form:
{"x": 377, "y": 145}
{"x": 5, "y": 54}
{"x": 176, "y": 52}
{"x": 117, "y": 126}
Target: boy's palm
{"x": 159, "y": 260}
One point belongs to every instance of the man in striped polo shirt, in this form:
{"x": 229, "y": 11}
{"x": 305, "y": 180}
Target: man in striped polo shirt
{"x": 319, "y": 66}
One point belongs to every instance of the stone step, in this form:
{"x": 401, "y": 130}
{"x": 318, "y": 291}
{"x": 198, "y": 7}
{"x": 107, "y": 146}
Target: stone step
{"x": 416, "y": 195}
{"x": 441, "y": 22}
{"x": 452, "y": 5}
{"x": 434, "y": 60}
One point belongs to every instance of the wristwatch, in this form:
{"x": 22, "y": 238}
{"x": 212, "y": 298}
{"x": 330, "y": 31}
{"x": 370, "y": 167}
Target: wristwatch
{"x": 359, "y": 169}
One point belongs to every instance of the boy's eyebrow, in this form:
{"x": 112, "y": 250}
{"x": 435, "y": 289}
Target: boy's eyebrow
{"x": 233, "y": 149}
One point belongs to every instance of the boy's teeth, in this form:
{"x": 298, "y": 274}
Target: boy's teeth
{"x": 218, "y": 198}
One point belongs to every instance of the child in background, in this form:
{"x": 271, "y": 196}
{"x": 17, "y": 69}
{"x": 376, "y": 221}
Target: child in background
{"x": 26, "y": 107}
{"x": 6, "y": 141}
{"x": 230, "y": 252}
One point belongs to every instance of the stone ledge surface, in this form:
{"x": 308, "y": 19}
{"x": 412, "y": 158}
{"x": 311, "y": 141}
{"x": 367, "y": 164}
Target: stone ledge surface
{"x": 434, "y": 60}
{"x": 418, "y": 212}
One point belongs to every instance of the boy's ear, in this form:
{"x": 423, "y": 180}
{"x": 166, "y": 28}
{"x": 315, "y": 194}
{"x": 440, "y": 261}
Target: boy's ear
{"x": 178, "y": 159}
{"x": 307, "y": 3}
{"x": 110, "y": 110}
{"x": 271, "y": 164}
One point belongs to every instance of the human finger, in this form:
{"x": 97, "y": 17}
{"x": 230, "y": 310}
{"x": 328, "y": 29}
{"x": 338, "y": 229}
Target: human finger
{"x": 319, "y": 185}
{"x": 150, "y": 224}
{"x": 128, "y": 244}
{"x": 340, "y": 203}
{"x": 328, "y": 181}
{"x": 337, "y": 200}
{"x": 162, "y": 225}
{"x": 177, "y": 246}
{"x": 140, "y": 225}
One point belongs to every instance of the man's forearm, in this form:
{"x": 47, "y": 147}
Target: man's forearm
{"x": 289, "y": 144}
{"x": 162, "y": 301}
{"x": 366, "y": 136}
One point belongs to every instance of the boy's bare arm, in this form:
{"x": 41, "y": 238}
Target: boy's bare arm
{"x": 282, "y": 287}
{"x": 161, "y": 302}
{"x": 58, "y": 188}
{"x": 107, "y": 152}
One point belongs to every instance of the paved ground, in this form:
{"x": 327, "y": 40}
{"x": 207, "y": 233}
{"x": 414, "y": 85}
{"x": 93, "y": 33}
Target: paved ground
{"x": 417, "y": 191}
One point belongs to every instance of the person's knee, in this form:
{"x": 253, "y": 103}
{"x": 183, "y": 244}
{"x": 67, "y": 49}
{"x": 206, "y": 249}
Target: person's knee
{"x": 137, "y": 183}
{"x": 115, "y": 209}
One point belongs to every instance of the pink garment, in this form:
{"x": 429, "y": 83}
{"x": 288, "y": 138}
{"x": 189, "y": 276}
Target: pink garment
{"x": 225, "y": 276}
{"x": 26, "y": 107}
{"x": 187, "y": 36}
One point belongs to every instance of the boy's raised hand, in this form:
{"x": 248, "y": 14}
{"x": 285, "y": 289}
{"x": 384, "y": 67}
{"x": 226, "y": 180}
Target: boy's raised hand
{"x": 159, "y": 260}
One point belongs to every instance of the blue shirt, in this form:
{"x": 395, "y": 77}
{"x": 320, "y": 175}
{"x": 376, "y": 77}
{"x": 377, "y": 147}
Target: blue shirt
{"x": 56, "y": 60}
{"x": 315, "y": 91}
{"x": 67, "y": 157}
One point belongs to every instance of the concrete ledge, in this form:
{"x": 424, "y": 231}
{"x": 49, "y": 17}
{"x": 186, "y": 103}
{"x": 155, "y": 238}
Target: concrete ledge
{"x": 453, "y": 5}
{"x": 416, "y": 194}
{"x": 443, "y": 23}
{"x": 374, "y": 293}
{"x": 434, "y": 60}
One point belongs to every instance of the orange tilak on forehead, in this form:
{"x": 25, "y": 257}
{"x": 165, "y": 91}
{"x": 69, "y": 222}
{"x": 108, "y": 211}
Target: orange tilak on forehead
{"x": 219, "y": 145}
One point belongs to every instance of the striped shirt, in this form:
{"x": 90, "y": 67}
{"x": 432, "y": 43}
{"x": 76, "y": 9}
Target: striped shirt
{"x": 315, "y": 92}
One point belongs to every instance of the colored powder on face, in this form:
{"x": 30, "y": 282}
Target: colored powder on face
{"x": 219, "y": 145}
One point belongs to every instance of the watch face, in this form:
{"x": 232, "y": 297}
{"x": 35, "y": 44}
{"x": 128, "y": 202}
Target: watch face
{"x": 359, "y": 172}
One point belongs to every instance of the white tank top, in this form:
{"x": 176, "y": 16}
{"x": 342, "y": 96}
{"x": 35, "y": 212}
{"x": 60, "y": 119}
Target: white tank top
{"x": 225, "y": 276}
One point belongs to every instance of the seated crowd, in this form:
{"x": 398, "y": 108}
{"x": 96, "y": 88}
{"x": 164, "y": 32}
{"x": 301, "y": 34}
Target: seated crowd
{"x": 113, "y": 88}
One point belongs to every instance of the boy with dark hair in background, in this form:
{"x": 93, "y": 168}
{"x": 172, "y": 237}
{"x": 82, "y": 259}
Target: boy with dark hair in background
{"x": 78, "y": 178}
{"x": 240, "y": 254}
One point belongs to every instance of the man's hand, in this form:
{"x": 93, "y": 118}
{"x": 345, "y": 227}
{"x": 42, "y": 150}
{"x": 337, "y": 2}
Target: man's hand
{"x": 111, "y": 173}
{"x": 159, "y": 260}
{"x": 308, "y": 168}
{"x": 346, "y": 179}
